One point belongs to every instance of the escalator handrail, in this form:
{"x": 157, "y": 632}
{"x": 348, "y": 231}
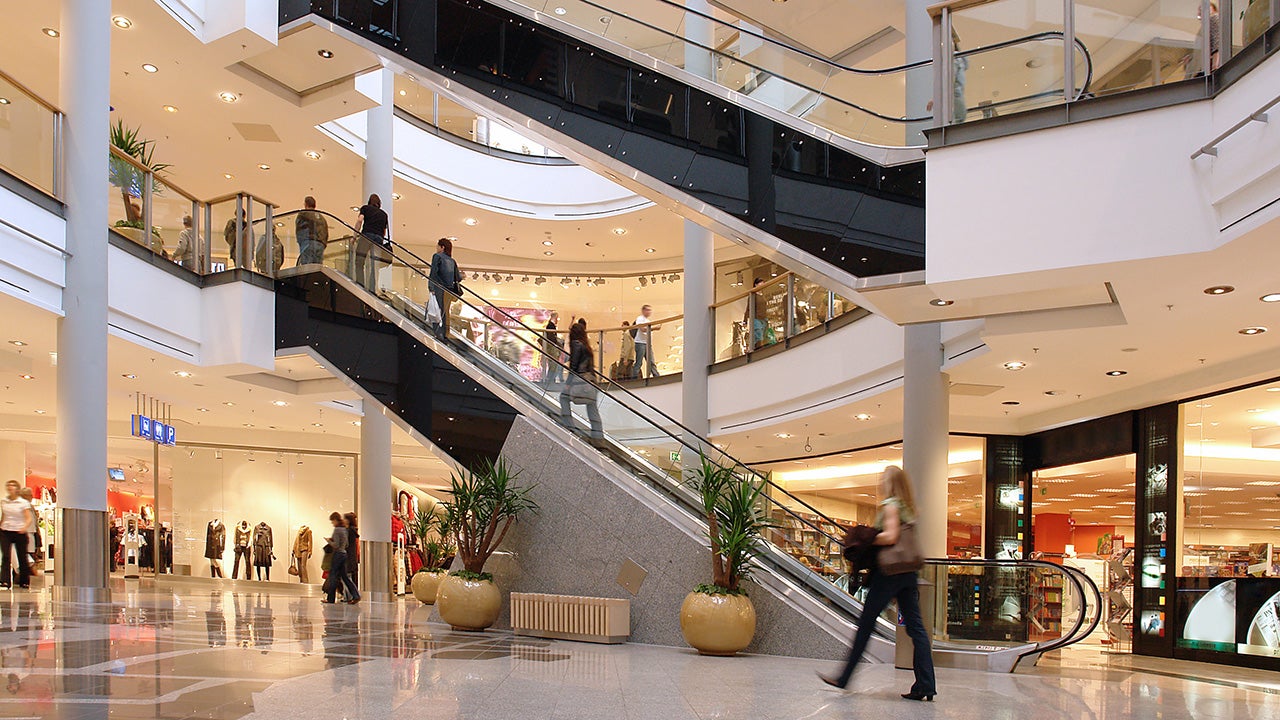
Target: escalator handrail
{"x": 700, "y": 444}
{"x": 1033, "y": 37}
{"x": 1080, "y": 634}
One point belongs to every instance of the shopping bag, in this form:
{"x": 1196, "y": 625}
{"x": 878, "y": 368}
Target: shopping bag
{"x": 433, "y": 311}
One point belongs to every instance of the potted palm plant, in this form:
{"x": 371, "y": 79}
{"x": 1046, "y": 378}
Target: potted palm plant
{"x": 131, "y": 179}
{"x": 718, "y": 618}
{"x": 484, "y": 506}
{"x": 436, "y": 540}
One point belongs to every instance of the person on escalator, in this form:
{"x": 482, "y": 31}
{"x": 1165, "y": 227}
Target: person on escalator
{"x": 578, "y": 389}
{"x": 312, "y": 231}
{"x": 374, "y": 245}
{"x": 895, "y": 577}
{"x": 445, "y": 282}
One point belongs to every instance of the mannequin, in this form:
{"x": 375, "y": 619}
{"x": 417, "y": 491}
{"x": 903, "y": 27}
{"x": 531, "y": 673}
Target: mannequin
{"x": 302, "y": 552}
{"x": 241, "y": 549}
{"x": 215, "y": 542}
{"x": 262, "y": 550}
{"x": 133, "y": 542}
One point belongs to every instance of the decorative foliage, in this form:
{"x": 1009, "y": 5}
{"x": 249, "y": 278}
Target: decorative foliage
{"x": 732, "y": 507}
{"x": 482, "y": 510}
{"x": 125, "y": 175}
{"x": 436, "y": 538}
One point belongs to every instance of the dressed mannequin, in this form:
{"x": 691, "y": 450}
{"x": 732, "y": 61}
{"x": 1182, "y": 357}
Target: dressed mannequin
{"x": 215, "y": 542}
{"x": 262, "y": 550}
{"x": 241, "y": 549}
{"x": 302, "y": 552}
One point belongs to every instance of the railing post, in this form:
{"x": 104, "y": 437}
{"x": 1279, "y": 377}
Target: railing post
{"x": 270, "y": 240}
{"x": 238, "y": 260}
{"x": 831, "y": 306}
{"x": 941, "y": 66}
{"x": 751, "y": 322}
{"x": 148, "y": 189}
{"x": 206, "y": 246}
{"x": 1068, "y": 51}
{"x": 58, "y": 170}
{"x": 1206, "y": 41}
{"x": 600, "y": 355}
{"x": 790, "y": 330}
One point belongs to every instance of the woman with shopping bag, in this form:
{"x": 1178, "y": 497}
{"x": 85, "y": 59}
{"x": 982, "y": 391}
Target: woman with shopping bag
{"x": 445, "y": 282}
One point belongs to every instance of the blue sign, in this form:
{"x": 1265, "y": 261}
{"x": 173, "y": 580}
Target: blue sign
{"x": 153, "y": 430}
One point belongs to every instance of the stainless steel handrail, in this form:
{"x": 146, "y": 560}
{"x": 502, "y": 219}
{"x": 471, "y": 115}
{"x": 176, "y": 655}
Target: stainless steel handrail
{"x": 1259, "y": 115}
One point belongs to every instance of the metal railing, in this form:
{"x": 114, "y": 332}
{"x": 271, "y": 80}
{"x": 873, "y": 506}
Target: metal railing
{"x": 32, "y": 137}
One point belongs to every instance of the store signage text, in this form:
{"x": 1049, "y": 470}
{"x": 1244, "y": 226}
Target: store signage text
{"x": 153, "y": 430}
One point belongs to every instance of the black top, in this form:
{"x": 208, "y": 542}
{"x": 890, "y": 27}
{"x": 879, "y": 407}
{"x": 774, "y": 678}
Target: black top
{"x": 551, "y": 335}
{"x": 581, "y": 359}
{"x": 375, "y": 221}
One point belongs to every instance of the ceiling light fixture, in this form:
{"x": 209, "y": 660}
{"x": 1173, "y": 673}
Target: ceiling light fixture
{"x": 19, "y": 343}
{"x": 150, "y": 68}
{"x": 279, "y": 403}
{"x": 40, "y": 412}
{"x": 939, "y": 302}
{"x": 1014, "y": 365}
{"x": 1270, "y": 298}
{"x": 5, "y": 101}
{"x": 651, "y": 250}
{"x": 1010, "y": 402}
{"x": 50, "y": 32}
{"x": 619, "y": 231}
{"x": 1219, "y": 290}
{"x": 122, "y": 22}
{"x": 202, "y": 409}
{"x": 182, "y": 373}
{"x": 228, "y": 176}
{"x": 170, "y": 108}
{"x": 396, "y": 196}
{"x": 1117, "y": 373}
{"x": 862, "y": 417}
{"x": 129, "y": 376}
{"x": 228, "y": 403}
{"x": 547, "y": 243}
{"x": 326, "y": 54}
{"x": 25, "y": 376}
{"x": 470, "y": 222}
{"x": 1053, "y": 393}
{"x": 263, "y": 166}
{"x": 560, "y": 11}
{"x": 227, "y": 96}
{"x": 783, "y": 436}
{"x": 1252, "y": 330}
{"x": 312, "y": 154}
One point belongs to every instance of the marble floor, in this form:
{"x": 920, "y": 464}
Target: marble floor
{"x": 190, "y": 650}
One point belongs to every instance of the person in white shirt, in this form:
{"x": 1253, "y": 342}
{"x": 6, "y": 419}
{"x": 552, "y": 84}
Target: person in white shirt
{"x": 16, "y": 520}
{"x": 644, "y": 343}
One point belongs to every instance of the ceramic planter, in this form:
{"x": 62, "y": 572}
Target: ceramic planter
{"x": 425, "y": 584}
{"x": 468, "y": 604}
{"x": 717, "y": 624}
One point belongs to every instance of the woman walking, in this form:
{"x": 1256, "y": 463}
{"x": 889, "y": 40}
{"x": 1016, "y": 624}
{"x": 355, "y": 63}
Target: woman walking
{"x": 445, "y": 283}
{"x": 895, "y": 577}
{"x": 353, "y": 557}
{"x": 577, "y": 389}
{"x": 338, "y": 564}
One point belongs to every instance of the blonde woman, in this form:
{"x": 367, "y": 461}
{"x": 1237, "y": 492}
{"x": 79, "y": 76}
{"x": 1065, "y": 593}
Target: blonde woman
{"x": 897, "y": 510}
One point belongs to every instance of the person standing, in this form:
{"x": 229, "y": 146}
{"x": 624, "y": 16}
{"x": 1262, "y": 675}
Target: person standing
{"x": 188, "y": 241}
{"x": 338, "y": 563}
{"x": 627, "y": 353}
{"x": 16, "y": 520}
{"x": 644, "y": 343}
{"x": 552, "y": 349}
{"x": 353, "y": 558}
{"x": 312, "y": 231}
{"x": 373, "y": 243}
{"x": 578, "y": 389}
{"x": 896, "y": 524}
{"x": 445, "y": 282}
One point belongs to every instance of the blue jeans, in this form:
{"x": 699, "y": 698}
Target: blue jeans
{"x": 880, "y": 590}
{"x": 645, "y": 355}
{"x": 338, "y": 577}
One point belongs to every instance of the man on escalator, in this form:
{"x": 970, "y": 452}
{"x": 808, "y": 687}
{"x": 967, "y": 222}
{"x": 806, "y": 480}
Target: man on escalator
{"x": 312, "y": 231}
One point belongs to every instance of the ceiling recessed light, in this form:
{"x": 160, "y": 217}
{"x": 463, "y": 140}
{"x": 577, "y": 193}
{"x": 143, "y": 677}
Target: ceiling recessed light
{"x": 1010, "y": 402}
{"x": 182, "y": 373}
{"x": 129, "y": 376}
{"x": 547, "y": 253}
{"x": 1128, "y": 349}
{"x": 1252, "y": 330}
{"x": 5, "y": 101}
{"x": 122, "y": 22}
{"x": 1219, "y": 290}
{"x": 1270, "y": 297}
{"x": 317, "y": 424}
{"x": 279, "y": 403}
{"x": 862, "y": 417}
{"x": 227, "y": 96}
{"x": 560, "y": 11}
{"x": 548, "y": 243}
{"x": 651, "y": 250}
{"x": 40, "y": 412}
{"x": 619, "y": 231}
{"x": 202, "y": 409}
{"x": 228, "y": 175}
{"x": 263, "y": 166}
{"x": 326, "y": 54}
{"x": 1117, "y": 373}
{"x": 312, "y": 154}
{"x": 1053, "y": 393}
{"x": 20, "y": 343}
{"x": 356, "y": 423}
{"x": 396, "y": 196}
{"x": 25, "y": 376}
{"x": 783, "y": 436}
{"x": 1255, "y": 410}
{"x": 939, "y": 302}
{"x": 50, "y": 32}
{"x": 150, "y": 68}
{"x": 1014, "y": 365}
{"x": 170, "y": 108}
{"x": 471, "y": 222}
{"x": 228, "y": 403}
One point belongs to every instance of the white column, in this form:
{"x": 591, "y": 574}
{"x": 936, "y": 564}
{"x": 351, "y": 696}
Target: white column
{"x": 701, "y": 31}
{"x": 373, "y": 502}
{"x": 84, "y": 81}
{"x": 924, "y": 432}
{"x": 699, "y": 294}
{"x": 379, "y": 148}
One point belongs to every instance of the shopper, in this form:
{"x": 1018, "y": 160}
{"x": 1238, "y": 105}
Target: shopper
{"x": 445, "y": 282}
{"x": 627, "y": 352}
{"x": 578, "y": 389}
{"x": 896, "y": 525}
{"x": 17, "y": 518}
{"x": 644, "y": 343}
{"x": 35, "y": 543}
{"x": 552, "y": 350}
{"x": 188, "y": 241}
{"x": 373, "y": 243}
{"x": 338, "y": 563}
{"x": 231, "y": 237}
{"x": 312, "y": 230}
{"x": 269, "y": 265}
{"x": 353, "y": 558}
{"x": 756, "y": 323}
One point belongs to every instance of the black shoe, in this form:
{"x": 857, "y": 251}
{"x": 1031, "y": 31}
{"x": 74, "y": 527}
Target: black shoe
{"x": 922, "y": 697}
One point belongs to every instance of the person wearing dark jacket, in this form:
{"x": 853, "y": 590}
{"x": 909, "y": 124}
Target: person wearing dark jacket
{"x": 374, "y": 241}
{"x": 578, "y": 389}
{"x": 312, "y": 232}
{"x": 445, "y": 282}
{"x": 338, "y": 576}
{"x": 353, "y": 556}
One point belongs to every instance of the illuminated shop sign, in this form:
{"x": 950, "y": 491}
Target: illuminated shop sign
{"x": 153, "y": 430}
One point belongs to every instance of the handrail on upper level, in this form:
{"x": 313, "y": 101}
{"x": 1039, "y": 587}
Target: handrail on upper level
{"x": 1259, "y": 115}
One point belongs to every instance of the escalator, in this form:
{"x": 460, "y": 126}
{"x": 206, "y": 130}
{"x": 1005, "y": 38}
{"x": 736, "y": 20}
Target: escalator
{"x": 463, "y": 395}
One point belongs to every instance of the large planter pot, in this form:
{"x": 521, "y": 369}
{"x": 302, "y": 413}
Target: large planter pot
{"x": 468, "y": 604}
{"x": 717, "y": 624}
{"x": 425, "y": 585}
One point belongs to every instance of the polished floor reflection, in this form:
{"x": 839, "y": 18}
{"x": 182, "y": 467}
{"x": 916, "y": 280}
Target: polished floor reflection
{"x": 187, "y": 650}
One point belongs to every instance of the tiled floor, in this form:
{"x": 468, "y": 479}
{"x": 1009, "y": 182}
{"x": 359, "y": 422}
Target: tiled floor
{"x": 196, "y": 651}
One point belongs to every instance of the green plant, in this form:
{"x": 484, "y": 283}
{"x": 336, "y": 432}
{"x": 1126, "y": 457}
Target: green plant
{"x": 136, "y": 225}
{"x": 473, "y": 576}
{"x": 435, "y": 535}
{"x": 127, "y": 176}
{"x": 732, "y": 507}
{"x": 484, "y": 505}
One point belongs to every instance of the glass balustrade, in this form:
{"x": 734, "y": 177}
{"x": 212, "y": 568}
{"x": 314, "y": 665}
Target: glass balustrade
{"x": 772, "y": 313}
{"x": 30, "y": 136}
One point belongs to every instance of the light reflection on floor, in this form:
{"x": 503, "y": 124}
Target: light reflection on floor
{"x": 195, "y": 651}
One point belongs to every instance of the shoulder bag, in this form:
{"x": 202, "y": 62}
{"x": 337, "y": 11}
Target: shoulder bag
{"x": 903, "y": 556}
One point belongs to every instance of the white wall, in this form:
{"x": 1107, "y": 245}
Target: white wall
{"x": 1109, "y": 190}
{"x": 31, "y": 270}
